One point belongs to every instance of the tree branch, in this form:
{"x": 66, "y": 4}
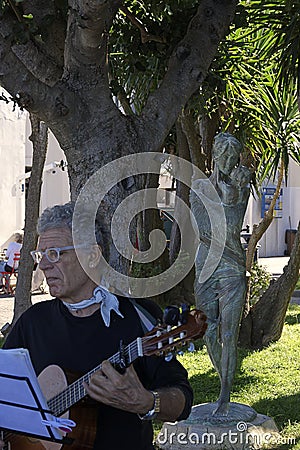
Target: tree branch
{"x": 188, "y": 67}
{"x": 37, "y": 63}
{"x": 39, "y": 138}
{"x": 275, "y": 301}
{"x": 29, "y": 54}
{"x": 85, "y": 66}
{"x": 15, "y": 10}
{"x": 35, "y": 96}
{"x": 60, "y": 105}
{"x": 261, "y": 228}
{"x": 145, "y": 35}
{"x": 189, "y": 128}
{"x": 88, "y": 25}
{"x": 49, "y": 17}
{"x": 43, "y": 91}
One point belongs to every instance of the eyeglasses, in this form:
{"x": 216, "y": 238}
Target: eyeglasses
{"x": 52, "y": 253}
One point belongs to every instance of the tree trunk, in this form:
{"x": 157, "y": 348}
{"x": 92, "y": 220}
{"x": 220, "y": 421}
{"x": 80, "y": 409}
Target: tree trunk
{"x": 197, "y": 157}
{"x": 39, "y": 138}
{"x": 246, "y": 330}
{"x": 209, "y": 126}
{"x": 273, "y": 304}
{"x": 183, "y": 292}
{"x": 149, "y": 220}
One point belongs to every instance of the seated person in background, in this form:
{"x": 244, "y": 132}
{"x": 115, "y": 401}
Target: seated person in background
{"x": 82, "y": 326}
{"x": 13, "y": 247}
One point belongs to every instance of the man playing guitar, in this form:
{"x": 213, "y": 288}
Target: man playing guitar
{"x": 81, "y": 327}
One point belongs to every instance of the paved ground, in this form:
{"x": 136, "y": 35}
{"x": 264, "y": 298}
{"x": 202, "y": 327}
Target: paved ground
{"x": 273, "y": 265}
{"x": 7, "y": 306}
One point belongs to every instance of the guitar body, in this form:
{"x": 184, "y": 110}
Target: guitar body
{"x": 53, "y": 381}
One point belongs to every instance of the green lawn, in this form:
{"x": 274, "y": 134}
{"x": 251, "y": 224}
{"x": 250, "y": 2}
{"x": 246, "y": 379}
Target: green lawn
{"x": 267, "y": 380}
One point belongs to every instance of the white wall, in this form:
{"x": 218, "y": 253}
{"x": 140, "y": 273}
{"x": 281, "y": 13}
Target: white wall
{"x": 15, "y": 154}
{"x": 12, "y": 160}
{"x": 55, "y": 187}
{"x": 273, "y": 241}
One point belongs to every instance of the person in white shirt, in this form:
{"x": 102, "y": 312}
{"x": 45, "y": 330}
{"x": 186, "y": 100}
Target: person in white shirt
{"x": 13, "y": 248}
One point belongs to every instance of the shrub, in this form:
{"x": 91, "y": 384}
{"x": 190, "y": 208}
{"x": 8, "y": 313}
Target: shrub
{"x": 260, "y": 280}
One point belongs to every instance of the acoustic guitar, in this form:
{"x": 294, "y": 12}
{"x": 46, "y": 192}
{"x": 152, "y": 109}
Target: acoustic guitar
{"x": 71, "y": 401}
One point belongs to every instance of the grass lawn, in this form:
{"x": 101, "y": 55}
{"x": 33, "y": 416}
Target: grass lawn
{"x": 267, "y": 380}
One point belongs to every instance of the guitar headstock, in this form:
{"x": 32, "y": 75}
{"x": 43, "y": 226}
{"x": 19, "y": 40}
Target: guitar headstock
{"x": 166, "y": 338}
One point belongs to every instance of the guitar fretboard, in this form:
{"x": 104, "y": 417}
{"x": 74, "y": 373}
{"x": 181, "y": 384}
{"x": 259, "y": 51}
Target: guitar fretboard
{"x": 75, "y": 391}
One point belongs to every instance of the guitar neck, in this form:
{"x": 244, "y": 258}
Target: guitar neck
{"x": 75, "y": 391}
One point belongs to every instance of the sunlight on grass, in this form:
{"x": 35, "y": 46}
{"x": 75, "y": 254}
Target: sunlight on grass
{"x": 267, "y": 380}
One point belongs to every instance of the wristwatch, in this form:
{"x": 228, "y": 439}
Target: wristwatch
{"x": 152, "y": 413}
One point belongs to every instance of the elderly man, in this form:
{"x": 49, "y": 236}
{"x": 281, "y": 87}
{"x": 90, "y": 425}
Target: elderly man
{"x": 81, "y": 327}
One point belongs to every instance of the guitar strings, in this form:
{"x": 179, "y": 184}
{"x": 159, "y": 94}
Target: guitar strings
{"x": 75, "y": 391}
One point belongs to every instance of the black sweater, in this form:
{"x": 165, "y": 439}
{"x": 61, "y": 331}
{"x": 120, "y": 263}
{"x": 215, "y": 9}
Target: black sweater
{"x": 78, "y": 344}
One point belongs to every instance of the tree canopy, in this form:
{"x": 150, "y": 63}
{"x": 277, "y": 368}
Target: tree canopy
{"x": 111, "y": 78}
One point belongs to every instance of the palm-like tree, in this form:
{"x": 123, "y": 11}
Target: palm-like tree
{"x": 282, "y": 17}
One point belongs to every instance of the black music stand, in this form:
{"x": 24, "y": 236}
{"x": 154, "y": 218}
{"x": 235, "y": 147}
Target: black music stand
{"x": 23, "y": 407}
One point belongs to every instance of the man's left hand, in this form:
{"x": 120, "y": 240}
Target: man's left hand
{"x": 122, "y": 391}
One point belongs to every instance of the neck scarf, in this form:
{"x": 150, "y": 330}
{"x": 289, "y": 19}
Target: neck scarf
{"x": 108, "y": 302}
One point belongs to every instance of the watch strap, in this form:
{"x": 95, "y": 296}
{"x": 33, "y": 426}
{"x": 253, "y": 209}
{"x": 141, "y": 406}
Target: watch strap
{"x": 152, "y": 413}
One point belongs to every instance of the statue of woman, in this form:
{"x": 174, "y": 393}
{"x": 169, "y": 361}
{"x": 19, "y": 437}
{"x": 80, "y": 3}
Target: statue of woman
{"x": 222, "y": 295}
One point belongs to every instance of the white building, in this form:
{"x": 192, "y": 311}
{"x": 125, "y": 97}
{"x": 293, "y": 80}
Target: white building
{"x": 16, "y": 161}
{"x": 286, "y": 219}
{"x": 280, "y": 235}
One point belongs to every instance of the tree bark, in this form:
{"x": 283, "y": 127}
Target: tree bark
{"x": 183, "y": 292}
{"x": 273, "y": 304}
{"x": 197, "y": 157}
{"x": 39, "y": 138}
{"x": 209, "y": 126}
{"x": 249, "y": 333}
{"x": 246, "y": 330}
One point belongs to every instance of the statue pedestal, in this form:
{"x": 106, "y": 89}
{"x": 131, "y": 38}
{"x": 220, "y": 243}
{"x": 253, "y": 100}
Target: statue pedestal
{"x": 241, "y": 429}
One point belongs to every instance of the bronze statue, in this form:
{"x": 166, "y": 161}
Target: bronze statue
{"x": 222, "y": 295}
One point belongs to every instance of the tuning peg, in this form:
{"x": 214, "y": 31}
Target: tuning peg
{"x": 171, "y": 315}
{"x": 184, "y": 313}
{"x": 180, "y": 353}
{"x": 168, "y": 357}
{"x": 191, "y": 347}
